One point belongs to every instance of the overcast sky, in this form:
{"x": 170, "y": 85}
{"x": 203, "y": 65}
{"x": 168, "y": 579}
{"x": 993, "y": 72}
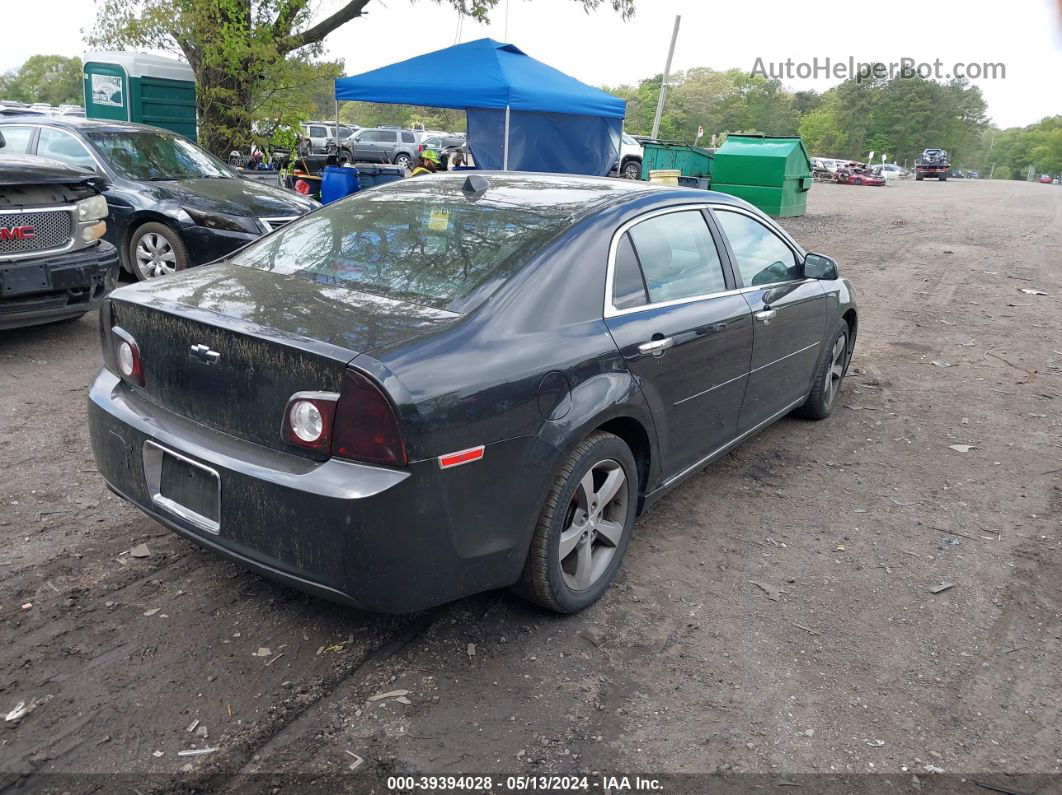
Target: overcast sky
{"x": 599, "y": 48}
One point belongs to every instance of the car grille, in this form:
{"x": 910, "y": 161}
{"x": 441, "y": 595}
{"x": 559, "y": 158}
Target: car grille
{"x": 52, "y": 230}
{"x": 275, "y": 223}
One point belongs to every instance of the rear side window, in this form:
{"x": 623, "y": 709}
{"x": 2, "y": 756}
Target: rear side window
{"x": 762, "y": 257}
{"x": 628, "y": 286}
{"x": 408, "y": 138}
{"x": 678, "y": 256}
{"x": 317, "y": 132}
{"x": 17, "y": 139}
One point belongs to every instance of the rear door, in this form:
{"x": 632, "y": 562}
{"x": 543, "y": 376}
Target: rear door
{"x": 683, "y": 329}
{"x": 789, "y": 314}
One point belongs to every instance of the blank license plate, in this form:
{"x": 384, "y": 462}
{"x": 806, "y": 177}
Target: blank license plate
{"x": 183, "y": 487}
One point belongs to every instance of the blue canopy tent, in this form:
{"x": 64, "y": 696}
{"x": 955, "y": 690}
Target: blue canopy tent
{"x": 522, "y": 114}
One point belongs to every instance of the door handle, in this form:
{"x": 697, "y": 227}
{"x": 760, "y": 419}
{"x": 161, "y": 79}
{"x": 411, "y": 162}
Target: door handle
{"x": 656, "y": 347}
{"x": 766, "y": 315}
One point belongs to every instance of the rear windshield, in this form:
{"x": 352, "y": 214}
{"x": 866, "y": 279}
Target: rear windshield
{"x": 421, "y": 242}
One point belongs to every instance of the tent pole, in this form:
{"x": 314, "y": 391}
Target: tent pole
{"x": 337, "y": 127}
{"x": 505, "y": 145}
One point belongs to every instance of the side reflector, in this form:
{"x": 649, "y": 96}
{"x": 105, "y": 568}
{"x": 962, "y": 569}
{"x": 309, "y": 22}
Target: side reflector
{"x": 460, "y": 457}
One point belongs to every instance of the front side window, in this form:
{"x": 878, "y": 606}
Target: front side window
{"x": 678, "y": 256}
{"x": 62, "y": 146}
{"x": 417, "y": 242}
{"x": 153, "y": 155}
{"x": 16, "y": 138}
{"x": 366, "y": 137}
{"x": 762, "y": 257}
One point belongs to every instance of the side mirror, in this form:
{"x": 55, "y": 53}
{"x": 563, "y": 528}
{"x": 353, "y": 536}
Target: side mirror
{"x": 819, "y": 266}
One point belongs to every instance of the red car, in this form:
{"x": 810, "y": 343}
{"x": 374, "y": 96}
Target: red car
{"x": 856, "y": 175}
{"x": 1045, "y": 179}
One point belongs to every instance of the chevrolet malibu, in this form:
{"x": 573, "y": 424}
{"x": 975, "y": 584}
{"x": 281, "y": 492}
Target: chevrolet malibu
{"x": 457, "y": 383}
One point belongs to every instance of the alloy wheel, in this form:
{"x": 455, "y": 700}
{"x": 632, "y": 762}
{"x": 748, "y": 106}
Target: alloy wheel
{"x": 593, "y": 525}
{"x": 833, "y": 379}
{"x": 632, "y": 170}
{"x": 155, "y": 256}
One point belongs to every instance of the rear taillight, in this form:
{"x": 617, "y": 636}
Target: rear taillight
{"x": 360, "y": 423}
{"x": 366, "y": 426}
{"x": 127, "y": 356}
{"x": 308, "y": 420}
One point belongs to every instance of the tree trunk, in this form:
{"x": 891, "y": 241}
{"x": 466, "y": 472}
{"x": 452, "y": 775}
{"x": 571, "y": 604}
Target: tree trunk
{"x": 223, "y": 102}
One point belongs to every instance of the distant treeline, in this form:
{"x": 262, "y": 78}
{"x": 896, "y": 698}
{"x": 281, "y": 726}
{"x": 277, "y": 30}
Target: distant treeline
{"x": 898, "y": 118}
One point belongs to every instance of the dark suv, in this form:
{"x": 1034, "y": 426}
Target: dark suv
{"x": 53, "y": 264}
{"x": 172, "y": 204}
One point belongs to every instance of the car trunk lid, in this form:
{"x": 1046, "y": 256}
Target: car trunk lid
{"x": 272, "y": 335}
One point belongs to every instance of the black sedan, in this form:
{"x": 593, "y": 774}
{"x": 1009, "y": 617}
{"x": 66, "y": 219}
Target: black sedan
{"x": 451, "y": 384}
{"x": 172, "y": 204}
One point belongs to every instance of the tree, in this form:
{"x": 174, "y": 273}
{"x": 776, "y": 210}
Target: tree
{"x": 45, "y": 78}
{"x": 235, "y": 47}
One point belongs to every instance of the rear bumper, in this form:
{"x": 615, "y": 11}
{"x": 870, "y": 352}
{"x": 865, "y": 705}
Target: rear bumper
{"x": 46, "y": 289}
{"x": 381, "y": 539}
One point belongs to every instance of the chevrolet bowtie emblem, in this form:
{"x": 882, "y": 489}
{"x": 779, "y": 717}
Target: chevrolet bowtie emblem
{"x": 204, "y": 354}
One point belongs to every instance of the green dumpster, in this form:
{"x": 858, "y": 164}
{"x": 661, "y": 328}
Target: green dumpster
{"x": 691, "y": 161}
{"x": 132, "y": 86}
{"x": 771, "y": 172}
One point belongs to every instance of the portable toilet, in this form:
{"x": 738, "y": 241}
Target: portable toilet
{"x": 132, "y": 86}
{"x": 770, "y": 172}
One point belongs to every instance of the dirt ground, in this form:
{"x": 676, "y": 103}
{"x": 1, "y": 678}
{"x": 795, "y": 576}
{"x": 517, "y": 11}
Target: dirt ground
{"x": 775, "y": 614}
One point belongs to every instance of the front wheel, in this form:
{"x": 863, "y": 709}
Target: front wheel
{"x": 584, "y": 528}
{"x": 823, "y": 397}
{"x": 632, "y": 169}
{"x": 156, "y": 250}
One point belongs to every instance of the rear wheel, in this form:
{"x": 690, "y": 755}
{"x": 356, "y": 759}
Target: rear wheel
{"x": 584, "y": 528}
{"x": 402, "y": 160}
{"x": 156, "y": 250}
{"x": 918, "y": 177}
{"x": 943, "y": 178}
{"x": 823, "y": 397}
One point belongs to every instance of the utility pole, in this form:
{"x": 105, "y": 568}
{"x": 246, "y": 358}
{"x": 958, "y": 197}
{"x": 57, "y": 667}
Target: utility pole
{"x": 667, "y": 73}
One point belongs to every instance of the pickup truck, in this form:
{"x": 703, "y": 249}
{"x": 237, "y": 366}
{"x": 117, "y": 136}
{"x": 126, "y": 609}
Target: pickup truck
{"x": 53, "y": 263}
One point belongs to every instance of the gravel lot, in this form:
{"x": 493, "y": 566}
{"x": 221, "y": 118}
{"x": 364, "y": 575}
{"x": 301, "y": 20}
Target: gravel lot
{"x": 774, "y": 615}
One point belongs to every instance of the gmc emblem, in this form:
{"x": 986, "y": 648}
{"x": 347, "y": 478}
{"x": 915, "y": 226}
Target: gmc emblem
{"x": 16, "y": 232}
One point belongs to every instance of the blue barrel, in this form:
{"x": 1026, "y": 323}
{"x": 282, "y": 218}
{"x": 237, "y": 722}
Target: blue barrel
{"x": 338, "y": 182}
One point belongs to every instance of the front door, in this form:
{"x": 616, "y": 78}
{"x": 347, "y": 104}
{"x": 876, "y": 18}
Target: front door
{"x": 788, "y": 311}
{"x": 685, "y": 333}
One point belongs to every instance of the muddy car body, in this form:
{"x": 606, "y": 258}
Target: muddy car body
{"x": 451, "y": 384}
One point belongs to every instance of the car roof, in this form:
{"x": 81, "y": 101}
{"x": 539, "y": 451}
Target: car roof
{"x": 80, "y": 123}
{"x": 597, "y": 193}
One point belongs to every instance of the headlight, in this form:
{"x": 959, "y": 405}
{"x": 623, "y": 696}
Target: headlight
{"x": 92, "y": 209}
{"x": 230, "y": 223}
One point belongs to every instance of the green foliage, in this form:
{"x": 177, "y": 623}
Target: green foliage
{"x": 373, "y": 114}
{"x": 45, "y": 78}
{"x": 1014, "y": 150}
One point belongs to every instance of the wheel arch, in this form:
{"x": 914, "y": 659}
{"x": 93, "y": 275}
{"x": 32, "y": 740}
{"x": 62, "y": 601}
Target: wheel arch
{"x": 635, "y": 435}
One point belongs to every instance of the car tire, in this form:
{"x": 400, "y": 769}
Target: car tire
{"x": 943, "y": 177}
{"x": 156, "y": 250}
{"x": 402, "y": 160}
{"x": 832, "y": 369}
{"x": 552, "y": 579}
{"x": 918, "y": 178}
{"x": 632, "y": 169}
